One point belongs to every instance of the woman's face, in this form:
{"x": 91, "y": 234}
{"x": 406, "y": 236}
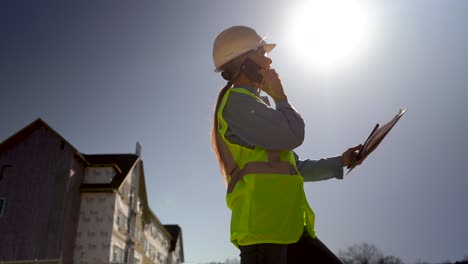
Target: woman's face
{"x": 259, "y": 56}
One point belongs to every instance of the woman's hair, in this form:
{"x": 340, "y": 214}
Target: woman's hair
{"x": 229, "y": 73}
{"x": 214, "y": 131}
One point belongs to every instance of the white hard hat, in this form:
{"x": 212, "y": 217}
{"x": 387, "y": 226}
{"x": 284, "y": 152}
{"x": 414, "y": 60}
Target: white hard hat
{"x": 234, "y": 42}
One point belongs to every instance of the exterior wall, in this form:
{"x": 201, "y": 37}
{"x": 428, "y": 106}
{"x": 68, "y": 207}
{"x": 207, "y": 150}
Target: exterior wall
{"x": 72, "y": 215}
{"x": 93, "y": 238}
{"x": 106, "y": 231}
{"x": 175, "y": 255}
{"x": 139, "y": 238}
{"x": 129, "y": 230}
{"x": 158, "y": 243}
{"x": 41, "y": 191}
{"x": 120, "y": 229}
{"x": 99, "y": 175}
{"x": 150, "y": 244}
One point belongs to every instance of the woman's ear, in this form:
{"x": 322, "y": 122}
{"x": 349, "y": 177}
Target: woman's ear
{"x": 226, "y": 75}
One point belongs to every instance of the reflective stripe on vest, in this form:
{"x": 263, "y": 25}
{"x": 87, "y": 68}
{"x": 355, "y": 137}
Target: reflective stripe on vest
{"x": 273, "y": 166}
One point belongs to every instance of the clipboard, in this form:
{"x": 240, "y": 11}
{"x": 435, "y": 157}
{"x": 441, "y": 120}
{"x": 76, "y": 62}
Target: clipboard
{"x": 373, "y": 141}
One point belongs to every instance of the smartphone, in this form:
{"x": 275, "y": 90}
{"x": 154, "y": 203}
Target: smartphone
{"x": 251, "y": 70}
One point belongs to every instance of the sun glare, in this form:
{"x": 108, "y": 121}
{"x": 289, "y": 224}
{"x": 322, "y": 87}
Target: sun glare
{"x": 328, "y": 33}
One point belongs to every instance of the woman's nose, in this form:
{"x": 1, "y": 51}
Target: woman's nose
{"x": 266, "y": 62}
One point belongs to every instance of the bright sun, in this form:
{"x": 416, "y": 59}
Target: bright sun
{"x": 328, "y": 33}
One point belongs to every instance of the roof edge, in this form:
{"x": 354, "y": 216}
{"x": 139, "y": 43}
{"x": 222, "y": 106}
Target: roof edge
{"x": 28, "y": 130}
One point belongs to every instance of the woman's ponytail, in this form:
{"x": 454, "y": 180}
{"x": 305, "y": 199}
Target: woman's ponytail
{"x": 214, "y": 132}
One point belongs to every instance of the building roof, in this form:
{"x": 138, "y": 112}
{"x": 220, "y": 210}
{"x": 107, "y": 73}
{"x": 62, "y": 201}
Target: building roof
{"x": 176, "y": 233}
{"x": 28, "y": 130}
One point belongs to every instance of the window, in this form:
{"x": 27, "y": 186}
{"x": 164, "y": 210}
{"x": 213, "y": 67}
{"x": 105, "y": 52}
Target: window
{"x": 135, "y": 261}
{"x": 124, "y": 190}
{"x": 117, "y": 254}
{"x": 62, "y": 144}
{"x": 152, "y": 252}
{"x": 117, "y": 219}
{"x": 137, "y": 234}
{"x": 91, "y": 246}
{"x": 154, "y": 231}
{"x": 145, "y": 243}
{"x": 129, "y": 193}
{"x": 2, "y": 206}
{"x": 121, "y": 219}
{"x": 3, "y": 171}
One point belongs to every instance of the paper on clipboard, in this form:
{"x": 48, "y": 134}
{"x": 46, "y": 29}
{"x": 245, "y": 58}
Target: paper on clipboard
{"x": 373, "y": 141}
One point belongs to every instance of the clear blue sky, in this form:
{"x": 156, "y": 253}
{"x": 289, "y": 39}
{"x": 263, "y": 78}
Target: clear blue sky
{"x": 108, "y": 73}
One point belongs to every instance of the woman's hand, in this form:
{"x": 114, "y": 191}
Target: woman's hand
{"x": 272, "y": 85}
{"x": 350, "y": 154}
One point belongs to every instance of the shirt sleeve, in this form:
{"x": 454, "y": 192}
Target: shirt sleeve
{"x": 258, "y": 124}
{"x": 322, "y": 169}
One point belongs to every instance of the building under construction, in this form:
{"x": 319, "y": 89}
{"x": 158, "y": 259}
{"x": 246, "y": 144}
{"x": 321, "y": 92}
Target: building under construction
{"x": 58, "y": 205}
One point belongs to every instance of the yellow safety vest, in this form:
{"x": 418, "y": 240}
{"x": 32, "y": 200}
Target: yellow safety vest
{"x": 265, "y": 190}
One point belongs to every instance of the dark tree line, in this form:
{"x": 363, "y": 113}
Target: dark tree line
{"x": 366, "y": 253}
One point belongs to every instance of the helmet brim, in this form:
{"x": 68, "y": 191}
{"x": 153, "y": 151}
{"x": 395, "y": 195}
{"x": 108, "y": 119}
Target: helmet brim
{"x": 268, "y": 47}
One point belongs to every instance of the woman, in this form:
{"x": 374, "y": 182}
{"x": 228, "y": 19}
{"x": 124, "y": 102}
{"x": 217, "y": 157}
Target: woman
{"x": 271, "y": 220}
